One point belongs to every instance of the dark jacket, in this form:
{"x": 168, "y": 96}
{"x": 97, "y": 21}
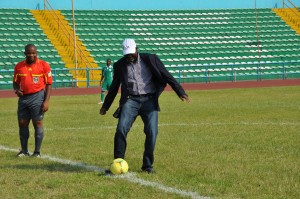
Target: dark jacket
{"x": 161, "y": 77}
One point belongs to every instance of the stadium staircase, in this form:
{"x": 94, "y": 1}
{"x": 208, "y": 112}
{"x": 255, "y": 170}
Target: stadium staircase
{"x": 291, "y": 16}
{"x": 61, "y": 36}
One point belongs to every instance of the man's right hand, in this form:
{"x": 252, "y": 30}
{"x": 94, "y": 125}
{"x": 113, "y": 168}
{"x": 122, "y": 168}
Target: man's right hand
{"x": 185, "y": 98}
{"x": 19, "y": 92}
{"x": 102, "y": 111}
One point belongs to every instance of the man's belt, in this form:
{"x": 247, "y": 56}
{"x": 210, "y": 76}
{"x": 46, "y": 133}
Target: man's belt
{"x": 142, "y": 95}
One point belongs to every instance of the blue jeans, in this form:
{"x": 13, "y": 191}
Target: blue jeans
{"x": 134, "y": 106}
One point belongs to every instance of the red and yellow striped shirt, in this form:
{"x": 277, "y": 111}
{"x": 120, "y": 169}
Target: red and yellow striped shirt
{"x": 32, "y": 78}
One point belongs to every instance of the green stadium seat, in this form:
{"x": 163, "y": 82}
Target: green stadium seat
{"x": 224, "y": 39}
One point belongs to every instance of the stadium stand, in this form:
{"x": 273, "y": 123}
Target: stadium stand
{"x": 18, "y": 28}
{"x": 198, "y": 45}
{"x": 195, "y": 45}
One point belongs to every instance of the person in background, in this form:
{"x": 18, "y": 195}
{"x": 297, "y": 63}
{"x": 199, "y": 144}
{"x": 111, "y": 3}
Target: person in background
{"x": 32, "y": 83}
{"x": 107, "y": 76}
{"x": 142, "y": 78}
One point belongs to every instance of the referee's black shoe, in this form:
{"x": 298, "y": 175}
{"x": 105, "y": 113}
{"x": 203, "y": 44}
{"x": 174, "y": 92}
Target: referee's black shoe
{"x": 23, "y": 154}
{"x": 36, "y": 155}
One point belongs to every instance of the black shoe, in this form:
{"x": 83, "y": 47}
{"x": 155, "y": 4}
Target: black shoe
{"x": 23, "y": 154}
{"x": 149, "y": 170}
{"x": 36, "y": 155}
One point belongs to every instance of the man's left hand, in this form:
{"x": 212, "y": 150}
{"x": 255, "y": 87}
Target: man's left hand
{"x": 45, "y": 106}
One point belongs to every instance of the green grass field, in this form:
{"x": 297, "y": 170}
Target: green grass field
{"x": 232, "y": 143}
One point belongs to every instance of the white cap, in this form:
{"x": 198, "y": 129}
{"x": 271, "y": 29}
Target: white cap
{"x": 129, "y": 46}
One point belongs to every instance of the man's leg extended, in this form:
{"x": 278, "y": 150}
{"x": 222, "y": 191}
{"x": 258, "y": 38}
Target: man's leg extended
{"x": 128, "y": 114}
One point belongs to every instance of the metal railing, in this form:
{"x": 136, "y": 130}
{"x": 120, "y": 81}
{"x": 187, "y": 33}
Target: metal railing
{"x": 256, "y": 71}
{"x": 205, "y": 73}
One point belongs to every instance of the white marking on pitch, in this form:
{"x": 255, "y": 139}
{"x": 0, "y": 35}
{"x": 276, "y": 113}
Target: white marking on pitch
{"x": 178, "y": 124}
{"x": 189, "y": 124}
{"x": 130, "y": 176}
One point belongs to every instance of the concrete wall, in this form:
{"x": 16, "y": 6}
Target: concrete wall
{"x": 143, "y": 4}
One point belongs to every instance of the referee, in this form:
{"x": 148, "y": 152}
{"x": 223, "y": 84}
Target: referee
{"x": 32, "y": 84}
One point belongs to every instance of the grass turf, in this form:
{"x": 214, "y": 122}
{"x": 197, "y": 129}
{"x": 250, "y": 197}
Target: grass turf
{"x": 232, "y": 143}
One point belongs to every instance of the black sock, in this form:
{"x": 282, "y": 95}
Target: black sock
{"x": 24, "y": 135}
{"x": 39, "y": 135}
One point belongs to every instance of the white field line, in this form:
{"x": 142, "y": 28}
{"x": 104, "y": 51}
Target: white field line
{"x": 189, "y": 124}
{"x": 177, "y": 124}
{"x": 231, "y": 123}
{"x": 130, "y": 176}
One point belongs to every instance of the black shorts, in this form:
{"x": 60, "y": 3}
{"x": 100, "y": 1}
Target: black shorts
{"x": 29, "y": 106}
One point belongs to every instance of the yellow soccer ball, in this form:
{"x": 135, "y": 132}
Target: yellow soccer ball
{"x": 119, "y": 166}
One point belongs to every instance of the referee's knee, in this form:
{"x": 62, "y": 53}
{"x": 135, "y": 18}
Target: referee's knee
{"x": 23, "y": 122}
{"x": 37, "y": 123}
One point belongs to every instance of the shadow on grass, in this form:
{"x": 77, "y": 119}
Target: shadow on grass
{"x": 51, "y": 167}
{"x": 29, "y": 163}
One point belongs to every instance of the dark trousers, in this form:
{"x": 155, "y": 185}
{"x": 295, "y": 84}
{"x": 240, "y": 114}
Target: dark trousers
{"x": 134, "y": 106}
